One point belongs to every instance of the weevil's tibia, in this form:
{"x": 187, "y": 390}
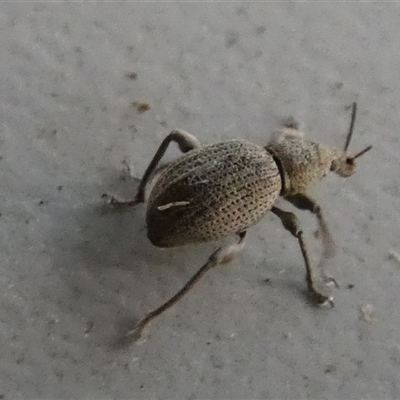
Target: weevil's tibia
{"x": 291, "y": 223}
{"x": 223, "y": 255}
{"x": 304, "y": 202}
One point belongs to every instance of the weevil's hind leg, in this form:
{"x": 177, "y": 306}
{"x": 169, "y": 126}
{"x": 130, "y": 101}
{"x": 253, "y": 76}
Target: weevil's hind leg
{"x": 292, "y": 224}
{"x": 185, "y": 141}
{"x": 223, "y": 255}
{"x": 304, "y": 202}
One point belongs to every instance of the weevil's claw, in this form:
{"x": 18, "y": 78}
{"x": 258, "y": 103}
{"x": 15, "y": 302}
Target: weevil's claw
{"x": 325, "y": 301}
{"x": 291, "y": 123}
{"x": 321, "y": 299}
{"x": 126, "y": 340}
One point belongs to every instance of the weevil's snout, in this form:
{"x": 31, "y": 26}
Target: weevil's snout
{"x": 345, "y": 166}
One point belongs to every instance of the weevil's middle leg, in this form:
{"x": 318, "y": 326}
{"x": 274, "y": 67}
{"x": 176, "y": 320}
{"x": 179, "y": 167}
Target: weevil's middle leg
{"x": 291, "y": 223}
{"x": 185, "y": 141}
{"x": 304, "y": 202}
{"x": 223, "y": 255}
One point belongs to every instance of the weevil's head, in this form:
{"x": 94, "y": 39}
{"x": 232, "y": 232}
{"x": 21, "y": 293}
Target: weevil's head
{"x": 343, "y": 162}
{"x": 303, "y": 163}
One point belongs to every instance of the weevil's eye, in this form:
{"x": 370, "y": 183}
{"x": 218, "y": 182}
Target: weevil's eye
{"x": 350, "y": 161}
{"x": 334, "y": 165}
{"x": 350, "y": 167}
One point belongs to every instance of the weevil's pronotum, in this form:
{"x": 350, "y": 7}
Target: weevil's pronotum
{"x": 225, "y": 188}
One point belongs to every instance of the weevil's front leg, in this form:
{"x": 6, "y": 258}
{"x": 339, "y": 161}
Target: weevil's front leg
{"x": 304, "y": 202}
{"x": 223, "y": 255}
{"x": 292, "y": 224}
{"x": 185, "y": 141}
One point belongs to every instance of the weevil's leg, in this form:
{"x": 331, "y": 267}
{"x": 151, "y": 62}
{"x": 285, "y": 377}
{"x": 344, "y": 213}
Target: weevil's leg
{"x": 292, "y": 224}
{"x": 185, "y": 141}
{"x": 304, "y": 202}
{"x": 223, "y": 255}
{"x": 115, "y": 202}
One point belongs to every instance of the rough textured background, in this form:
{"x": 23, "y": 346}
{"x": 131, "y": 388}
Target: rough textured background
{"x": 75, "y": 275}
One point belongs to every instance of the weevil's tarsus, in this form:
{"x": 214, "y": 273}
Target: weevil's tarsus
{"x": 292, "y": 224}
{"x": 115, "y": 202}
{"x": 223, "y": 255}
{"x": 291, "y": 123}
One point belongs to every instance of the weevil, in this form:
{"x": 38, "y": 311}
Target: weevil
{"x": 217, "y": 190}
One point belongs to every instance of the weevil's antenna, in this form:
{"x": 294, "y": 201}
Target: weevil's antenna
{"x": 350, "y": 134}
{"x": 368, "y": 148}
{"x": 353, "y": 119}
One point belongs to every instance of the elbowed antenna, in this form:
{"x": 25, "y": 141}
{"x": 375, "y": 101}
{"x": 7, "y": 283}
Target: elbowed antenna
{"x": 353, "y": 120}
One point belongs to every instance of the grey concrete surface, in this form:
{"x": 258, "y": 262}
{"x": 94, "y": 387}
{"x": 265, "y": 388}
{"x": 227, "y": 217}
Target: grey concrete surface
{"x": 75, "y": 275}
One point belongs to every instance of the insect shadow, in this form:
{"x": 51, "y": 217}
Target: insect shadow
{"x": 110, "y": 273}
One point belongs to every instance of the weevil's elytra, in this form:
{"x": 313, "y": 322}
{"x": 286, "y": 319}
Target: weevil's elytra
{"x": 224, "y": 188}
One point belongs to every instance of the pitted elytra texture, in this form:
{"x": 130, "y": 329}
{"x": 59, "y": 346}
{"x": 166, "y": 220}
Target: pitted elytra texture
{"x": 218, "y": 190}
{"x": 225, "y": 188}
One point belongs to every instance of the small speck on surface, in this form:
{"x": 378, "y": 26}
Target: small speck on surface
{"x": 232, "y": 38}
{"x": 330, "y": 369}
{"x": 132, "y": 76}
{"x": 394, "y": 256}
{"x": 141, "y": 107}
{"x": 368, "y": 313}
{"x": 260, "y": 29}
